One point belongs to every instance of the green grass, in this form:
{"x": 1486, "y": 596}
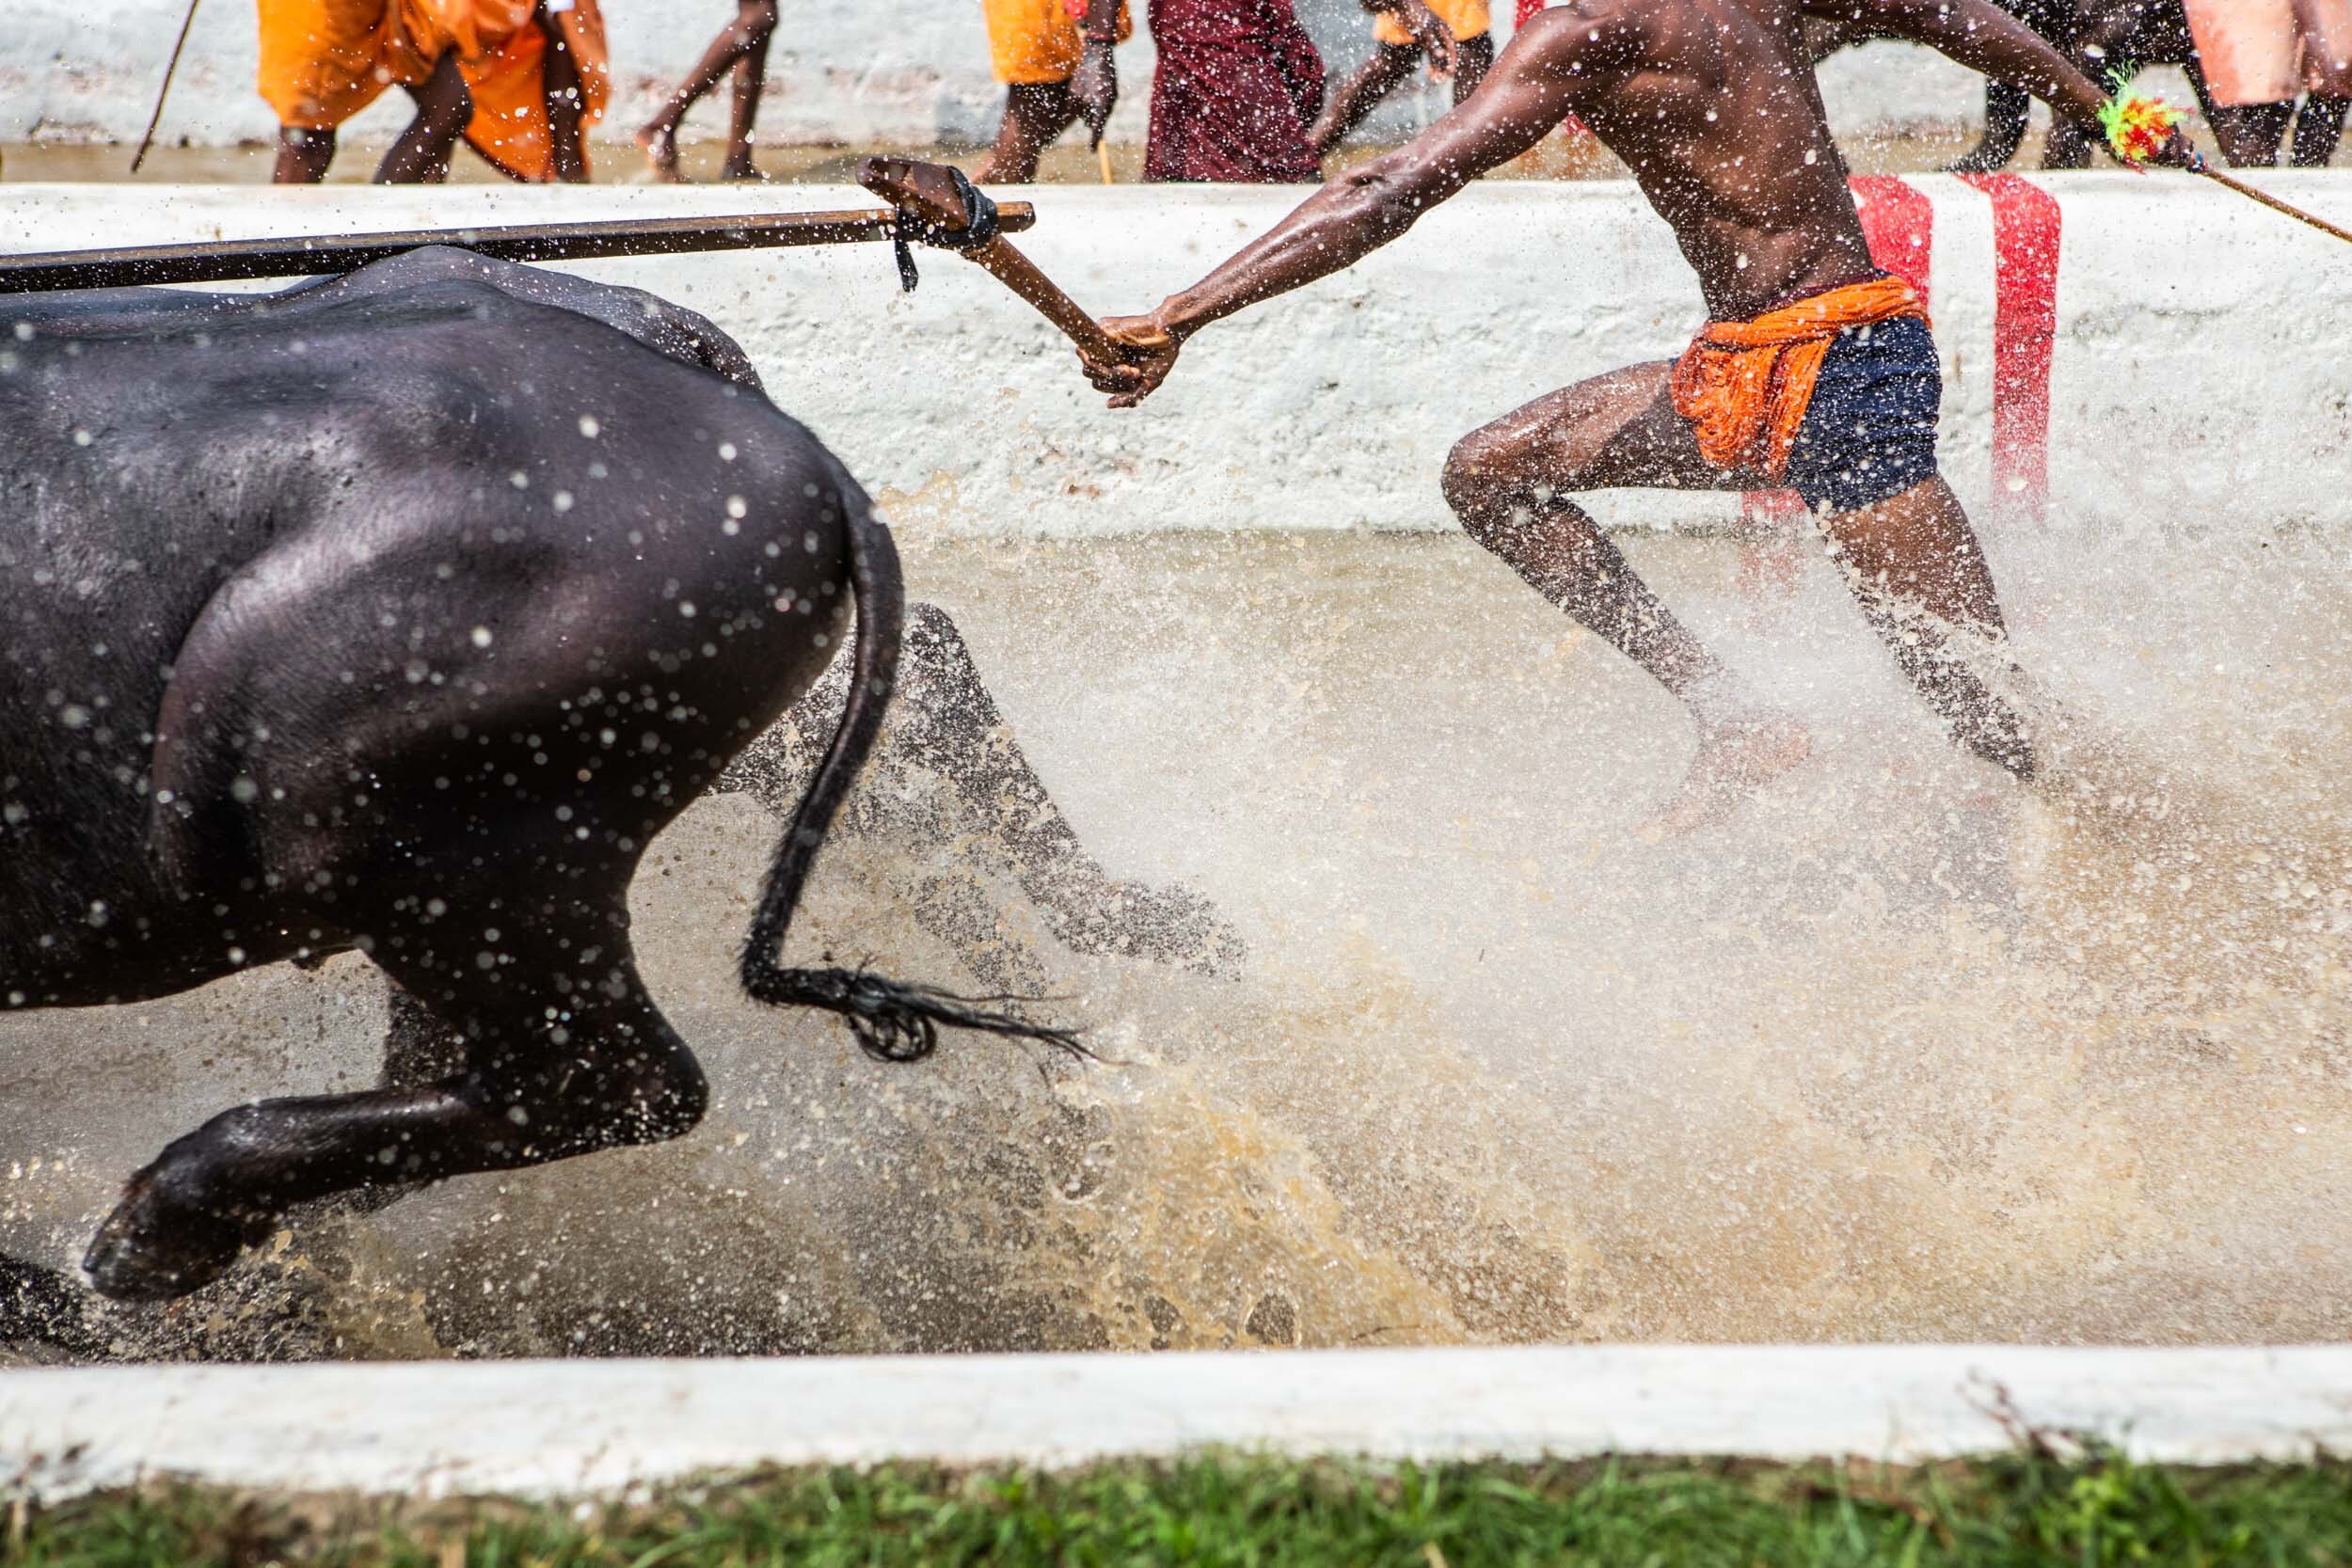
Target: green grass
{"x": 1632, "y": 1514}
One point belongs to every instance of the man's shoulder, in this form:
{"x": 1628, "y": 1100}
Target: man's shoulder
{"x": 1575, "y": 28}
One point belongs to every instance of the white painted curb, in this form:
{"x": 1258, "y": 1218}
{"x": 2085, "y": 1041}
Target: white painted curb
{"x": 2189, "y": 377}
{"x": 564, "y": 1427}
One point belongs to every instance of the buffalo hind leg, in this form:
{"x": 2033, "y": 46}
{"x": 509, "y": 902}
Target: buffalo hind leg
{"x": 961, "y": 733}
{"x": 944, "y": 723}
{"x": 565, "y": 1054}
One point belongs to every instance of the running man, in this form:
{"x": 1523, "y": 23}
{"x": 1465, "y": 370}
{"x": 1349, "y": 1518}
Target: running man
{"x": 741, "y": 47}
{"x": 2257, "y": 56}
{"x": 1055, "y": 60}
{"x": 1815, "y": 372}
{"x": 518, "y": 79}
{"x": 1452, "y": 34}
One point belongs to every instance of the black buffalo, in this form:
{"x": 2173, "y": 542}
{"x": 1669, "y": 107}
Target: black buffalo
{"x": 398, "y": 614}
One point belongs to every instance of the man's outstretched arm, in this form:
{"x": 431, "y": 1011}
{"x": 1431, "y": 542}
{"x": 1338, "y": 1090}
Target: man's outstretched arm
{"x": 1981, "y": 36}
{"x": 1530, "y": 88}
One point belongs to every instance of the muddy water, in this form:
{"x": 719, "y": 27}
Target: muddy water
{"x": 1901, "y": 1051}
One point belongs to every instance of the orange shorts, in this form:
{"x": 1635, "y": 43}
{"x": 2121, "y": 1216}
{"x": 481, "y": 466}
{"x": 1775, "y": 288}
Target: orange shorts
{"x": 1464, "y": 19}
{"x": 1033, "y": 41}
{"x": 2264, "y": 51}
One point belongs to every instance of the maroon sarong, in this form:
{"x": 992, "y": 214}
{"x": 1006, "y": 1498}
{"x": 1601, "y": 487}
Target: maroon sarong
{"x": 1238, "y": 86}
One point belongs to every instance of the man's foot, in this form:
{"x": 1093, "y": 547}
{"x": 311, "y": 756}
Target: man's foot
{"x": 1736, "y": 758}
{"x": 742, "y": 168}
{"x": 660, "y": 144}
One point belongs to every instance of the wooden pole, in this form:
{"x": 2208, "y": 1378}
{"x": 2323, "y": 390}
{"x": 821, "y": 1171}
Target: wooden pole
{"x": 924, "y": 190}
{"x": 164, "y": 91}
{"x": 2271, "y": 202}
{"x": 222, "y": 261}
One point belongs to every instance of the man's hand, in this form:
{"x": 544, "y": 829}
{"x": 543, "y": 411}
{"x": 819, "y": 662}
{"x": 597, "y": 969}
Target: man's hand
{"x": 1094, "y": 89}
{"x": 2178, "y": 151}
{"x": 1429, "y": 30}
{"x": 1147, "y": 353}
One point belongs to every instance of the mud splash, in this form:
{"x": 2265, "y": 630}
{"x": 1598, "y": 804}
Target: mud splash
{"x": 1900, "y": 1052}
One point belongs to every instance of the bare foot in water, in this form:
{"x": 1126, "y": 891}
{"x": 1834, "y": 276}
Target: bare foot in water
{"x": 660, "y": 144}
{"x": 1735, "y": 759}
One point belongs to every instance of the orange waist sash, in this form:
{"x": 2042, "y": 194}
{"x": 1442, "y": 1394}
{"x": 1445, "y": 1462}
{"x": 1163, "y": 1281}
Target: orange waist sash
{"x": 1745, "y": 385}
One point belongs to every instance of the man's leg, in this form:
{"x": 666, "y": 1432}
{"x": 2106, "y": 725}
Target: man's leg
{"x": 1474, "y": 59}
{"x": 2005, "y": 108}
{"x": 1361, "y": 93}
{"x": 2317, "y": 131}
{"x": 2326, "y": 28}
{"x": 754, "y": 24}
{"x": 2069, "y": 147}
{"x": 1034, "y": 113}
{"x": 421, "y": 156}
{"x": 1509, "y": 485}
{"x": 751, "y": 78}
{"x": 2005, "y": 104}
{"x": 559, "y": 83}
{"x": 2249, "y": 133}
{"x": 302, "y": 156}
{"x": 2246, "y": 50}
{"x": 1921, "y": 578}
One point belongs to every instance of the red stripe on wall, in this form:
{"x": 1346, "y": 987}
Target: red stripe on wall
{"x": 2024, "y": 328}
{"x": 1898, "y": 224}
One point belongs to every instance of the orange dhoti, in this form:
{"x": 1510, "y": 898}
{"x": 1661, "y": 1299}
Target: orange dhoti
{"x": 507, "y": 79}
{"x": 1032, "y": 43}
{"x": 323, "y": 61}
{"x": 1745, "y": 386}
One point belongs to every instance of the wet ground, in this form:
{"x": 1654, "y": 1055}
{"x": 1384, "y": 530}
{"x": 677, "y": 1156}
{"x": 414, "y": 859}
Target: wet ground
{"x": 1901, "y": 1051}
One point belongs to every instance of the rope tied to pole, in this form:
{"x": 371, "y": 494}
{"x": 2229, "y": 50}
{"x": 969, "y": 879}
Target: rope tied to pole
{"x": 980, "y": 226}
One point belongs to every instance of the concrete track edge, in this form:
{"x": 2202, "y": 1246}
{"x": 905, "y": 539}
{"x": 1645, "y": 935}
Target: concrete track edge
{"x": 582, "y": 1427}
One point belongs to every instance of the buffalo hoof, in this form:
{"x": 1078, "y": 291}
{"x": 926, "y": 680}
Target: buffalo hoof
{"x": 152, "y": 1248}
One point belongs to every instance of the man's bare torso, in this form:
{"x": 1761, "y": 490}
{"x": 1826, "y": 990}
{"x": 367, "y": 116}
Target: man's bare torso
{"x": 1712, "y": 104}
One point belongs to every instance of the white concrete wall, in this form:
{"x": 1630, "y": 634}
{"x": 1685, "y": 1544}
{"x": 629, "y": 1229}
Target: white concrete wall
{"x": 910, "y": 71}
{"x": 568, "y": 1427}
{"x": 2197, "y": 376}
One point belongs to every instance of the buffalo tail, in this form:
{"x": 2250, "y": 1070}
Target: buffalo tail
{"x": 894, "y": 1021}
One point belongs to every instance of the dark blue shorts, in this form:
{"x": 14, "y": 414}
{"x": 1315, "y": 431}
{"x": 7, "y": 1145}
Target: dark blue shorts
{"x": 1870, "y": 431}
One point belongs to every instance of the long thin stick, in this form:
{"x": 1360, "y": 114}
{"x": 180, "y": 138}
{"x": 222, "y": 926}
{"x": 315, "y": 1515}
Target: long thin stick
{"x": 1103, "y": 157}
{"x": 164, "y": 91}
{"x": 220, "y": 261}
{"x": 2272, "y": 202}
{"x": 1020, "y": 275}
